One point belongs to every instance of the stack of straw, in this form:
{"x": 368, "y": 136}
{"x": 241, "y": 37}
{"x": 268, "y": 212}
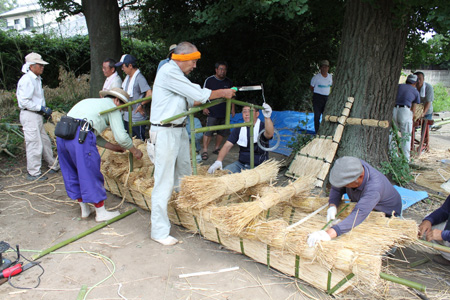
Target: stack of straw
{"x": 198, "y": 191}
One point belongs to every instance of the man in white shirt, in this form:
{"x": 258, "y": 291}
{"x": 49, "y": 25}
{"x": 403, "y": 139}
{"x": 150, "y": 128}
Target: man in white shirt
{"x": 173, "y": 94}
{"x": 320, "y": 85}
{"x": 113, "y": 79}
{"x": 30, "y": 97}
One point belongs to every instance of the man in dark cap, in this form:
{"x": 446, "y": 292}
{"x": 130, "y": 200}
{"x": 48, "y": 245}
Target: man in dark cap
{"x": 364, "y": 185}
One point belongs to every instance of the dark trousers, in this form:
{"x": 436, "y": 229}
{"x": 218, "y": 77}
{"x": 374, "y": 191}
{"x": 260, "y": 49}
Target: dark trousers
{"x": 137, "y": 131}
{"x": 319, "y": 102}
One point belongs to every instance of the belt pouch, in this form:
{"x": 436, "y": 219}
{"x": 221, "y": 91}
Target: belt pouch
{"x": 67, "y": 128}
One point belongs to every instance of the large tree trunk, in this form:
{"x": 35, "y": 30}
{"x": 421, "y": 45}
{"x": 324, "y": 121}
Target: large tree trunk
{"x": 102, "y": 18}
{"x": 368, "y": 69}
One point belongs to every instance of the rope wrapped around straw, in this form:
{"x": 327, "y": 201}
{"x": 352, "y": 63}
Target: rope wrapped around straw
{"x": 198, "y": 191}
{"x": 233, "y": 219}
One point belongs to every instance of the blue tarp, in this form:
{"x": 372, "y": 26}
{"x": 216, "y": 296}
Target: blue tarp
{"x": 409, "y": 197}
{"x": 285, "y": 123}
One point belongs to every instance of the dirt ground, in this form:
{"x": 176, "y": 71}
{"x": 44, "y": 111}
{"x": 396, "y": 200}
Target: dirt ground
{"x": 39, "y": 215}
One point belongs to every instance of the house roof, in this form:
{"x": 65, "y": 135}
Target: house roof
{"x": 21, "y": 10}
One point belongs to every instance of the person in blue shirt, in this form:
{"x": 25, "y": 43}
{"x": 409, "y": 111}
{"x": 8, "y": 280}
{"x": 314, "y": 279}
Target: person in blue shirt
{"x": 436, "y": 227}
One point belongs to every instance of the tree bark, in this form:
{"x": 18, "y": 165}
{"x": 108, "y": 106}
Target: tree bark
{"x": 102, "y": 19}
{"x": 368, "y": 69}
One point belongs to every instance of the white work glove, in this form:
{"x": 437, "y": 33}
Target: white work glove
{"x": 331, "y": 213}
{"x": 216, "y": 165}
{"x": 267, "y": 111}
{"x": 318, "y": 236}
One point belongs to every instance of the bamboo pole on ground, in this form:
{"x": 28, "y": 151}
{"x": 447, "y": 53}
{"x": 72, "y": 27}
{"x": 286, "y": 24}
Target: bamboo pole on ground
{"x": 83, "y": 234}
{"x": 358, "y": 121}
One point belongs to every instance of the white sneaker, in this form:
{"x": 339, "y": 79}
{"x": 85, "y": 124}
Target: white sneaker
{"x": 86, "y": 210}
{"x": 103, "y": 215}
{"x": 168, "y": 241}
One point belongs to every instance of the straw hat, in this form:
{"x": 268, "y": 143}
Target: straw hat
{"x": 116, "y": 93}
{"x": 345, "y": 170}
{"x": 34, "y": 58}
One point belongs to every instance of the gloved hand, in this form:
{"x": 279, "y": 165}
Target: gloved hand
{"x": 216, "y": 165}
{"x": 331, "y": 213}
{"x": 267, "y": 111}
{"x": 46, "y": 110}
{"x": 318, "y": 236}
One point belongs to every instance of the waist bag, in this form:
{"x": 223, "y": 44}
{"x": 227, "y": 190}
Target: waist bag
{"x": 67, "y": 128}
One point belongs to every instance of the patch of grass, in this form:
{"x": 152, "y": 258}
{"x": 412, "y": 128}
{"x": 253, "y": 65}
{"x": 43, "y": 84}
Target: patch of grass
{"x": 441, "y": 98}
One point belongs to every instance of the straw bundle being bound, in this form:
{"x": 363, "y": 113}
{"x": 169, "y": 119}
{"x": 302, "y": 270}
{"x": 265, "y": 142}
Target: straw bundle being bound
{"x": 198, "y": 191}
{"x": 232, "y": 219}
{"x": 418, "y": 111}
{"x": 359, "y": 121}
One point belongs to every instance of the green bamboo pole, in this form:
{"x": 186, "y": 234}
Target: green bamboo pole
{"x": 242, "y": 103}
{"x": 139, "y": 123}
{"x": 252, "y": 145}
{"x": 193, "y": 110}
{"x": 82, "y": 292}
{"x": 193, "y": 149}
{"x": 435, "y": 246}
{"x": 228, "y": 112}
{"x": 83, "y": 234}
{"x": 221, "y": 127}
{"x": 124, "y": 105}
{"x": 337, "y": 215}
{"x": 419, "y": 262}
{"x": 340, "y": 283}
{"x": 409, "y": 283}
{"x": 130, "y": 133}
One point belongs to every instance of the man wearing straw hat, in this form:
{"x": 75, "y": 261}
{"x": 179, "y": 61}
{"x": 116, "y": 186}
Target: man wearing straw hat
{"x": 79, "y": 157}
{"x": 173, "y": 94}
{"x": 241, "y": 136}
{"x": 30, "y": 97}
{"x": 364, "y": 185}
{"x": 436, "y": 227}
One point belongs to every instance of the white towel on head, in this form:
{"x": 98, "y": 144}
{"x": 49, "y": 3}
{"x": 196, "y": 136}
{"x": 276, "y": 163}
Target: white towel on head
{"x": 242, "y": 141}
{"x": 130, "y": 86}
{"x": 26, "y": 67}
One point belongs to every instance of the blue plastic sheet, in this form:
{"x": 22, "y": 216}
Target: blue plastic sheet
{"x": 409, "y": 197}
{"x": 285, "y": 123}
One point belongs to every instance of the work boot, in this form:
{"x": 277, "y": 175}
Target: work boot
{"x": 103, "y": 215}
{"x": 33, "y": 178}
{"x": 439, "y": 259}
{"x": 168, "y": 241}
{"x": 86, "y": 210}
{"x": 53, "y": 171}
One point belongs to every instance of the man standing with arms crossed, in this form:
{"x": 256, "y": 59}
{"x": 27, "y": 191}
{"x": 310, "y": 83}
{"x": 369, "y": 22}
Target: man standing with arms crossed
{"x": 30, "y": 97}
{"x": 173, "y": 94}
{"x": 216, "y": 114}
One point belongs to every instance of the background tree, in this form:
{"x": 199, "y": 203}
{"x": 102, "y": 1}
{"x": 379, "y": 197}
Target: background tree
{"x": 369, "y": 64}
{"x": 102, "y": 19}
{"x": 6, "y": 5}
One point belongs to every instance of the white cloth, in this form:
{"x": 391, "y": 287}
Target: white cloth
{"x": 423, "y": 90}
{"x": 37, "y": 143}
{"x": 402, "y": 116}
{"x": 30, "y": 94}
{"x": 318, "y": 236}
{"x": 174, "y": 93}
{"x": 112, "y": 82}
{"x": 172, "y": 161}
{"x": 331, "y": 213}
{"x": 131, "y": 85}
{"x": 322, "y": 85}
{"x": 242, "y": 141}
{"x": 26, "y": 67}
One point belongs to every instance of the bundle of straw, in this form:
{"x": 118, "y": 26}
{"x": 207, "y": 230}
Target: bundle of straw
{"x": 198, "y": 191}
{"x": 233, "y": 219}
{"x": 418, "y": 111}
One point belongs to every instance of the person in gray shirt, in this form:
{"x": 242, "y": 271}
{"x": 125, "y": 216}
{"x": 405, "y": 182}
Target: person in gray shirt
{"x": 426, "y": 95}
{"x": 364, "y": 185}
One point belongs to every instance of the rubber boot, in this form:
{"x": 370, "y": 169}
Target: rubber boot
{"x": 86, "y": 210}
{"x": 103, "y": 215}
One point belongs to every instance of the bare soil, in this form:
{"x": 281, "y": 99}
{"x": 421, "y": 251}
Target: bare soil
{"x": 36, "y": 216}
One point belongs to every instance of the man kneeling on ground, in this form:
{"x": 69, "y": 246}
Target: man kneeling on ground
{"x": 241, "y": 136}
